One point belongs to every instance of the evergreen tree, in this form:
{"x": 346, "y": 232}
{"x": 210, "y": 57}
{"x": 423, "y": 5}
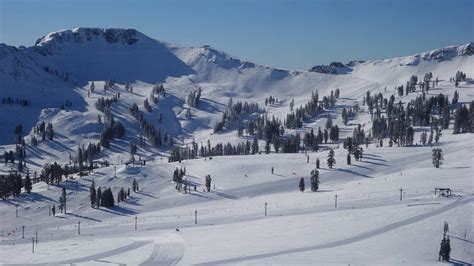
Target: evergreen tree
{"x": 254, "y": 145}
{"x": 331, "y": 161}
{"x": 423, "y": 138}
{"x": 208, "y": 183}
{"x": 276, "y": 144}
{"x": 358, "y": 152}
{"x": 314, "y": 180}
{"x": 107, "y": 198}
{"x": 99, "y": 197}
{"x": 63, "y": 199}
{"x": 301, "y": 185}
{"x": 93, "y": 195}
{"x": 329, "y": 122}
{"x": 462, "y": 121}
{"x": 445, "y": 249}
{"x": 267, "y": 147}
{"x": 92, "y": 87}
{"x": 345, "y": 118}
{"x": 455, "y": 97}
{"x": 123, "y": 194}
{"x": 317, "y": 163}
{"x": 135, "y": 185}
{"x": 437, "y": 157}
{"x": 446, "y": 116}
{"x": 28, "y": 184}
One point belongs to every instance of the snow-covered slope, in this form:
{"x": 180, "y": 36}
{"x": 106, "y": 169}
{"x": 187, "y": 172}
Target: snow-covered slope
{"x": 23, "y": 78}
{"x": 101, "y": 54}
{"x": 368, "y": 225}
{"x": 61, "y": 65}
{"x": 396, "y": 71}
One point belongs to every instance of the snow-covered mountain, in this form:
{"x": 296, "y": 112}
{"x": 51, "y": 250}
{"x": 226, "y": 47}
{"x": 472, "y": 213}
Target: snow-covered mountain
{"x": 361, "y": 213}
{"x": 61, "y": 64}
{"x": 100, "y": 54}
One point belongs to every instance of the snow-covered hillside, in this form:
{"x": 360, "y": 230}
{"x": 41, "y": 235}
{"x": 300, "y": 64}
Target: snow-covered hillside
{"x": 51, "y": 82}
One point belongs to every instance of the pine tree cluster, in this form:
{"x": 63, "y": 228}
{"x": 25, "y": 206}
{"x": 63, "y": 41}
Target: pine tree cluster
{"x": 236, "y": 114}
{"x": 68, "y": 103}
{"x": 105, "y": 103}
{"x": 45, "y": 130}
{"x": 61, "y": 75}
{"x": 86, "y": 156}
{"x": 153, "y": 134}
{"x": 122, "y": 195}
{"x": 10, "y": 185}
{"x": 271, "y": 100}
{"x": 158, "y": 90}
{"x": 310, "y": 110}
{"x": 464, "y": 119}
{"x": 178, "y": 175}
{"x": 109, "y": 84}
{"x": 9, "y": 156}
{"x": 112, "y": 130}
{"x": 398, "y": 125}
{"x": 348, "y": 113}
{"x": 21, "y": 102}
{"x": 460, "y": 76}
{"x": 135, "y": 186}
{"x": 193, "y": 97}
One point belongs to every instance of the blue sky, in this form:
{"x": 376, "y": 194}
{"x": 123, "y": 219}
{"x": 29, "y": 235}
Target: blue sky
{"x": 293, "y": 34}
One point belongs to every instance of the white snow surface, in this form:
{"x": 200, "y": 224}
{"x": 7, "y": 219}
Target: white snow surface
{"x": 370, "y": 226}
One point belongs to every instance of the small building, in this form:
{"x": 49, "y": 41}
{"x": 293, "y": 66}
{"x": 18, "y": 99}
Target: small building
{"x": 443, "y": 191}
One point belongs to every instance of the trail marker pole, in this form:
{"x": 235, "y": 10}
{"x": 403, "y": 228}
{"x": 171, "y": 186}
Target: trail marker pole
{"x": 135, "y": 222}
{"x": 23, "y": 231}
{"x": 335, "y": 201}
{"x": 16, "y": 210}
{"x": 195, "y": 217}
{"x": 33, "y": 245}
{"x": 401, "y": 195}
{"x": 79, "y": 227}
{"x": 266, "y": 208}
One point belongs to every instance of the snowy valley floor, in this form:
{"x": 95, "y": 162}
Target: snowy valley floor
{"x": 369, "y": 226}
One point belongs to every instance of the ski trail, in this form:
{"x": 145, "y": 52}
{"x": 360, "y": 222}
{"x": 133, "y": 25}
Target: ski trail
{"x": 350, "y": 240}
{"x": 98, "y": 256}
{"x": 169, "y": 252}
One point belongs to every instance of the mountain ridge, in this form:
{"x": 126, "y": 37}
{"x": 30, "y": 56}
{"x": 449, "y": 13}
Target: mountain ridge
{"x": 47, "y": 44}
